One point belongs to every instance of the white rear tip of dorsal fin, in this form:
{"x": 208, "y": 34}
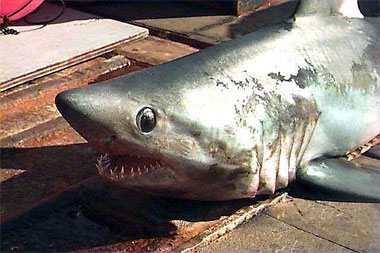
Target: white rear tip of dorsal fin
{"x": 346, "y": 8}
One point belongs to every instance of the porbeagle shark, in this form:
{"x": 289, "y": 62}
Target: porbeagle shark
{"x": 247, "y": 116}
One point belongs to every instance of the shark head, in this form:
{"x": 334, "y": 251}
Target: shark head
{"x": 162, "y": 136}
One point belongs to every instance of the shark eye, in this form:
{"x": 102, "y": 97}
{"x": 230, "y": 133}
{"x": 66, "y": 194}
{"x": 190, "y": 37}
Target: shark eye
{"x": 146, "y": 120}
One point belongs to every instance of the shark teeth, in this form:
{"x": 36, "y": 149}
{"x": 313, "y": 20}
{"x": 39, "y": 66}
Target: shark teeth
{"x": 103, "y": 164}
{"x": 115, "y": 173}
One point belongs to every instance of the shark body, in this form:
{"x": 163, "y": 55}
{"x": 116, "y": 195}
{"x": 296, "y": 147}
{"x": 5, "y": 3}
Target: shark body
{"x": 240, "y": 118}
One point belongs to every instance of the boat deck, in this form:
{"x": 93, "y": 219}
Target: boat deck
{"x": 53, "y": 200}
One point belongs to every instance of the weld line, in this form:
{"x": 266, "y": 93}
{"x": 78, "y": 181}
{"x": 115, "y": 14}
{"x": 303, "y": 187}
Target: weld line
{"x": 311, "y": 233}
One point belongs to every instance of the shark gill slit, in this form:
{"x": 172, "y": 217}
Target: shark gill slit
{"x": 255, "y": 172}
{"x": 287, "y": 140}
{"x": 270, "y": 165}
{"x": 298, "y": 136}
{"x": 278, "y": 158}
{"x": 309, "y": 130}
{"x": 260, "y": 159}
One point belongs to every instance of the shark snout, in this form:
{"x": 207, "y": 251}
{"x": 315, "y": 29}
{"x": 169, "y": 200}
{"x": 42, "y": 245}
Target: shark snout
{"x": 89, "y": 111}
{"x": 68, "y": 104}
{"x": 75, "y": 107}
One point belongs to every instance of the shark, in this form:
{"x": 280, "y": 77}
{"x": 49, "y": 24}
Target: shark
{"x": 245, "y": 117}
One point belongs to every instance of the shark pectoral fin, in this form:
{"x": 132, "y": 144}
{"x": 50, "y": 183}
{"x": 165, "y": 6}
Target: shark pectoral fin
{"x": 343, "y": 177}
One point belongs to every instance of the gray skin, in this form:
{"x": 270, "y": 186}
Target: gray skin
{"x": 240, "y": 118}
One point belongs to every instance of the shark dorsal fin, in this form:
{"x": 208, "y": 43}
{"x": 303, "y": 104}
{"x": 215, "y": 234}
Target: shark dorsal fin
{"x": 347, "y": 8}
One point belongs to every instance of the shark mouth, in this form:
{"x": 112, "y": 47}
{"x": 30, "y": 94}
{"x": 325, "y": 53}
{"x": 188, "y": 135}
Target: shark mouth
{"x": 123, "y": 167}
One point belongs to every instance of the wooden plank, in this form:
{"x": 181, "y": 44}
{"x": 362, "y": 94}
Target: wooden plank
{"x": 75, "y": 37}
